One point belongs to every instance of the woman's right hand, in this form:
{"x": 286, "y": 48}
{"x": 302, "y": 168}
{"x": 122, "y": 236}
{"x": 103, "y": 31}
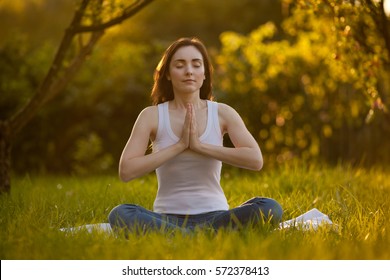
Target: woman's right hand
{"x": 185, "y": 138}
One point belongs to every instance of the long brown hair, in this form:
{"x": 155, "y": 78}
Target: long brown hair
{"x": 162, "y": 89}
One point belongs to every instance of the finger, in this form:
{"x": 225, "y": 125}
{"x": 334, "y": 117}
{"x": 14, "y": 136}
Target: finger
{"x": 187, "y": 120}
{"x": 193, "y": 119}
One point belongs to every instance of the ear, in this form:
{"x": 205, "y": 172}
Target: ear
{"x": 168, "y": 77}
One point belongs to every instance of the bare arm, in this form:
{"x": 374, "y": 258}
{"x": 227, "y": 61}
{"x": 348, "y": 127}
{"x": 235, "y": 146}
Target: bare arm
{"x": 246, "y": 152}
{"x": 133, "y": 162}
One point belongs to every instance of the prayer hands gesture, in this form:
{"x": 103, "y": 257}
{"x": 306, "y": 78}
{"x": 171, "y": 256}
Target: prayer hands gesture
{"x": 190, "y": 138}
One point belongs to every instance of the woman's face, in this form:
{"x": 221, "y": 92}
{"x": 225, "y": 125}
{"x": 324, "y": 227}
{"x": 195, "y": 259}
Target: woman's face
{"x": 186, "y": 70}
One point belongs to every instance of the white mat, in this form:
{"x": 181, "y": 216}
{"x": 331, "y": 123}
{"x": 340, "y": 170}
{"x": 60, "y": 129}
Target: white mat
{"x": 310, "y": 220}
{"x": 102, "y": 227}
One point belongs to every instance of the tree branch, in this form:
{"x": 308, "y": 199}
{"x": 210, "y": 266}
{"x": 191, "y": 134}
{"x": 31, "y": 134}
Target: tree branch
{"x": 75, "y": 65}
{"x": 128, "y": 12}
{"x": 25, "y": 114}
{"x": 52, "y": 83}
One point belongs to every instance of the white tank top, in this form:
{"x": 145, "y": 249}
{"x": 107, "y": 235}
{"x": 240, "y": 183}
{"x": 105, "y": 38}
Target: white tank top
{"x": 189, "y": 183}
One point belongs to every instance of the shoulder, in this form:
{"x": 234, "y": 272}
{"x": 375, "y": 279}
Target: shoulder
{"x": 227, "y": 112}
{"x": 149, "y": 111}
{"x": 227, "y": 116}
{"x": 224, "y": 107}
{"x": 147, "y": 121}
{"x": 148, "y": 116}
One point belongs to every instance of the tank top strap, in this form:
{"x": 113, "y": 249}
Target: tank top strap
{"x": 215, "y": 118}
{"x": 161, "y": 125}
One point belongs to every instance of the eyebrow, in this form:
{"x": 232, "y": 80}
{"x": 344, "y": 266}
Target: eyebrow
{"x": 193, "y": 60}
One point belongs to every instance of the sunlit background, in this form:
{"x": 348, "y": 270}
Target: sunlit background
{"x": 386, "y": 6}
{"x": 311, "y": 80}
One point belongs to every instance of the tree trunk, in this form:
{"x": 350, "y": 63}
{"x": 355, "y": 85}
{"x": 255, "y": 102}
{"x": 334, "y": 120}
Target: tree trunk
{"x": 57, "y": 78}
{"x": 5, "y": 158}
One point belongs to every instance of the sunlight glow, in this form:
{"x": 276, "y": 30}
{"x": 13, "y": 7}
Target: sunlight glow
{"x": 386, "y": 6}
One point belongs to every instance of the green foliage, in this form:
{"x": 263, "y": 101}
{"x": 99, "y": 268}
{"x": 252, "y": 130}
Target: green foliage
{"x": 89, "y": 156}
{"x": 309, "y": 94}
{"x": 358, "y": 45}
{"x": 114, "y": 84}
{"x": 310, "y": 78}
{"x": 355, "y": 199}
{"x": 22, "y": 68}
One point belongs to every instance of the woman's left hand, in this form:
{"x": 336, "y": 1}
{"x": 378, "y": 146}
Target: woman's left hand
{"x": 195, "y": 144}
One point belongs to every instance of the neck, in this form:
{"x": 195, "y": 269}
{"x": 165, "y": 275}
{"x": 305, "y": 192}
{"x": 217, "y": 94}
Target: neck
{"x": 180, "y": 102}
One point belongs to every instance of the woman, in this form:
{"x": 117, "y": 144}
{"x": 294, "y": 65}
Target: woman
{"x": 186, "y": 129}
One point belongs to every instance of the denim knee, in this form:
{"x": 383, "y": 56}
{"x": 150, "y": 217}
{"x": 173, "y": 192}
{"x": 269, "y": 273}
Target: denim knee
{"x": 276, "y": 210}
{"x": 121, "y": 214}
{"x": 270, "y": 208}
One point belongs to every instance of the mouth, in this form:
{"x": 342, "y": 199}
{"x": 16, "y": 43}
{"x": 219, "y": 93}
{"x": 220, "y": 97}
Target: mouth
{"x": 189, "y": 81}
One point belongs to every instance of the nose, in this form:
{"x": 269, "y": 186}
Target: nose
{"x": 189, "y": 71}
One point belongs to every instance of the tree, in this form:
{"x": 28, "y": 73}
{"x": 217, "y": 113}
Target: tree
{"x": 88, "y": 25}
{"x": 362, "y": 32}
{"x": 320, "y": 90}
{"x": 111, "y": 88}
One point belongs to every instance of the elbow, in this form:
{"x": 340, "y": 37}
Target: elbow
{"x": 253, "y": 161}
{"x": 254, "y": 165}
{"x": 125, "y": 176}
{"x": 258, "y": 162}
{"x": 258, "y": 165}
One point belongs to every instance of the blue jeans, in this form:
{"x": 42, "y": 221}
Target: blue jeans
{"x": 135, "y": 218}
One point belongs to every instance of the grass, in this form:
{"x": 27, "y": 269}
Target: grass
{"x": 356, "y": 199}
